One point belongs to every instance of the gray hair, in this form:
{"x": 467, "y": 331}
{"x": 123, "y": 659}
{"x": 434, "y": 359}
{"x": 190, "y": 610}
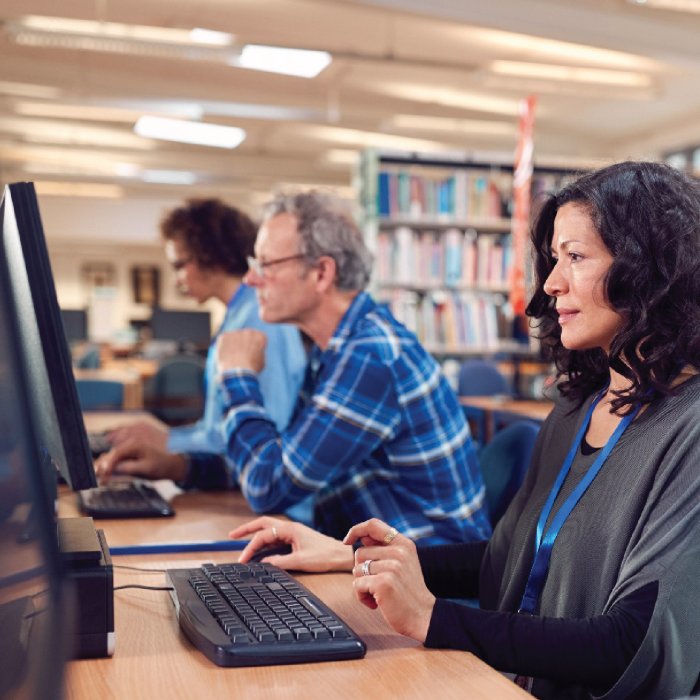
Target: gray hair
{"x": 327, "y": 229}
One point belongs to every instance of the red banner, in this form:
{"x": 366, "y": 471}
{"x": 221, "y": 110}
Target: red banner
{"x": 521, "y": 204}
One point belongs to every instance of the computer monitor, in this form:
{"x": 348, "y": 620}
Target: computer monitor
{"x": 191, "y": 326}
{"x": 75, "y": 324}
{"x": 32, "y": 607}
{"x": 52, "y": 392}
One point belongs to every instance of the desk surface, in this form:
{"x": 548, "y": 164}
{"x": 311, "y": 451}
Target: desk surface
{"x": 538, "y": 410}
{"x": 154, "y": 660}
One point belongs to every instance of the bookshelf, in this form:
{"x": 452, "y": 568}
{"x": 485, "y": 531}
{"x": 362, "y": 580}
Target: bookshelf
{"x": 440, "y": 229}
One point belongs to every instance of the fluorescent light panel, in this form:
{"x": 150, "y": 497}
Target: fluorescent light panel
{"x": 182, "y": 131}
{"x": 78, "y": 189}
{"x": 468, "y": 126}
{"x": 297, "y": 62}
{"x": 676, "y": 5}
{"x": 547, "y": 71}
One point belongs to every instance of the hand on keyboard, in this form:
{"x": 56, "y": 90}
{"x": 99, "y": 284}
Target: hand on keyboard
{"x": 135, "y": 458}
{"x": 311, "y": 550}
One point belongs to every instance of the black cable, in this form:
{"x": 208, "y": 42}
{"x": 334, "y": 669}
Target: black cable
{"x": 136, "y": 568}
{"x": 147, "y": 588}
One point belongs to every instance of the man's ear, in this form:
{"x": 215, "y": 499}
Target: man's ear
{"x": 326, "y": 272}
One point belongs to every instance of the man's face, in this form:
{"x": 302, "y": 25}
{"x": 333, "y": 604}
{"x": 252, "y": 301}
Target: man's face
{"x": 286, "y": 292}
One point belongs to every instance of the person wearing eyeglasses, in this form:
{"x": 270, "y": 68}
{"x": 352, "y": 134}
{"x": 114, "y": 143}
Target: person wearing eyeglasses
{"x": 377, "y": 430}
{"x": 208, "y": 244}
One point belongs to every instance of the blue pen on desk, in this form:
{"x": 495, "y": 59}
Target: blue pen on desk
{"x": 175, "y": 547}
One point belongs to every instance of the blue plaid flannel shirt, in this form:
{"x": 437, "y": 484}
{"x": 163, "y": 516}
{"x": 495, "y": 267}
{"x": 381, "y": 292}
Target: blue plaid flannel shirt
{"x": 377, "y": 432}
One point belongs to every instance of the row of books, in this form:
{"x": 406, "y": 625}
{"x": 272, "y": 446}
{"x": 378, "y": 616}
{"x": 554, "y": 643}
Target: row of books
{"x": 448, "y": 319}
{"x": 453, "y": 258}
{"x": 461, "y": 194}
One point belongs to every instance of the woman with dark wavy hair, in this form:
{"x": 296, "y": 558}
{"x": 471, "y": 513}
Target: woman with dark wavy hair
{"x": 589, "y": 586}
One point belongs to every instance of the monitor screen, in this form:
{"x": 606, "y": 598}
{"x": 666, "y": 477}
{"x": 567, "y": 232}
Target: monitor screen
{"x": 52, "y": 392}
{"x": 31, "y": 625}
{"x": 75, "y": 324}
{"x": 191, "y": 326}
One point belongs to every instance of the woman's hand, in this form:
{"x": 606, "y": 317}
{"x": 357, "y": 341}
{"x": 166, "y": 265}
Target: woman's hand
{"x": 394, "y": 580}
{"x": 312, "y": 551}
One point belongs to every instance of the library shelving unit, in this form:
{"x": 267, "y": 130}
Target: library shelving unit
{"x": 439, "y": 226}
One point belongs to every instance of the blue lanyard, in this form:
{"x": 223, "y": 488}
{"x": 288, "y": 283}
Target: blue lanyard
{"x": 545, "y": 541}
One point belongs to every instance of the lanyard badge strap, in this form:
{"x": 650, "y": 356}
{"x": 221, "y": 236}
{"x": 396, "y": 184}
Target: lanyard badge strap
{"x": 545, "y": 541}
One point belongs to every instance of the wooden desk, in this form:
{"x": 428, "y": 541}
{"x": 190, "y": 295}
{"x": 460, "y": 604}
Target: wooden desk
{"x": 531, "y": 410}
{"x": 154, "y": 660}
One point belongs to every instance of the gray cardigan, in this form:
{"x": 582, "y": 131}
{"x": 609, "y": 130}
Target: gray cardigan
{"x": 639, "y": 521}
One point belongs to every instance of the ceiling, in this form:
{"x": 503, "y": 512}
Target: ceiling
{"x": 395, "y": 63}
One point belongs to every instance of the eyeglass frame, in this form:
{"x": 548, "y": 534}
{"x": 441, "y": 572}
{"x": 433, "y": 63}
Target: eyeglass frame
{"x": 259, "y": 267}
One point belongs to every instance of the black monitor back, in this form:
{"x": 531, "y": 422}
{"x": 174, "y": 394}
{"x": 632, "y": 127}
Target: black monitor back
{"x": 75, "y": 324}
{"x": 52, "y": 391}
{"x": 191, "y": 326}
{"x": 32, "y": 608}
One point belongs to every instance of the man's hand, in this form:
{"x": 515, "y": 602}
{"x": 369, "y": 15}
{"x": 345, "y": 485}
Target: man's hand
{"x": 393, "y": 580}
{"x": 141, "y": 431}
{"x": 311, "y": 550}
{"x": 241, "y": 349}
{"x": 135, "y": 458}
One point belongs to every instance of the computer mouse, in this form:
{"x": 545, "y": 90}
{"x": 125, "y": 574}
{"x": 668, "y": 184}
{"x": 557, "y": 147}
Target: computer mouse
{"x": 271, "y": 550}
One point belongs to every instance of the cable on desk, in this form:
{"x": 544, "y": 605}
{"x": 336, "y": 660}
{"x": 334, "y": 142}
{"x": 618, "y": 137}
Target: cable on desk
{"x": 147, "y": 588}
{"x": 136, "y": 568}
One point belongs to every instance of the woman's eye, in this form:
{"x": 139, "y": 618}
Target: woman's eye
{"x": 574, "y": 256}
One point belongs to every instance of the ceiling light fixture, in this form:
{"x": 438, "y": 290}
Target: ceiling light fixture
{"x": 676, "y": 5}
{"x": 469, "y": 126}
{"x": 546, "y": 71}
{"x": 112, "y": 37}
{"x": 198, "y": 133}
{"x": 273, "y": 59}
{"x": 78, "y": 189}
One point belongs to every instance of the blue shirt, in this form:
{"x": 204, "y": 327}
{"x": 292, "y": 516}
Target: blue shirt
{"x": 280, "y": 381}
{"x": 377, "y": 432}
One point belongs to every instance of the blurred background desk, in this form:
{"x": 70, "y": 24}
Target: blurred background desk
{"x": 95, "y": 392}
{"x": 490, "y": 412}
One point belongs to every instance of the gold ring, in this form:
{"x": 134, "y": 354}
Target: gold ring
{"x": 390, "y": 535}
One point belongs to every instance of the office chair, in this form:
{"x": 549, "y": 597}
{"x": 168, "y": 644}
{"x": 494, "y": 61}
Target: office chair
{"x": 100, "y": 395}
{"x": 480, "y": 378}
{"x": 504, "y": 462}
{"x": 88, "y": 359}
{"x": 175, "y": 393}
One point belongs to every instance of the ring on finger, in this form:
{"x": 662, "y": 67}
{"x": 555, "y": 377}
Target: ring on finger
{"x": 274, "y": 532}
{"x": 390, "y": 535}
{"x": 365, "y": 567}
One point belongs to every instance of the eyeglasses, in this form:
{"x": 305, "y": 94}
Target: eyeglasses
{"x": 180, "y": 264}
{"x": 259, "y": 266}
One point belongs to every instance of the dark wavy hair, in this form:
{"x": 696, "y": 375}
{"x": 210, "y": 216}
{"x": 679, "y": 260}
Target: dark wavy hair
{"x": 218, "y": 236}
{"x": 648, "y": 216}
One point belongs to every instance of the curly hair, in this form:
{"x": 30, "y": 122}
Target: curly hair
{"x": 648, "y": 216}
{"x": 218, "y": 236}
{"x": 326, "y": 228}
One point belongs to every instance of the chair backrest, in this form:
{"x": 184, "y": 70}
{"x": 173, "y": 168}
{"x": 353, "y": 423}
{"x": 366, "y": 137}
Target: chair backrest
{"x": 175, "y": 393}
{"x": 100, "y": 395}
{"x": 504, "y": 462}
{"x": 481, "y": 378}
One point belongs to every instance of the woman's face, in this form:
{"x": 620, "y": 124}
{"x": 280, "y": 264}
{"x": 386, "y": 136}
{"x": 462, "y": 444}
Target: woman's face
{"x": 190, "y": 278}
{"x": 577, "y": 281}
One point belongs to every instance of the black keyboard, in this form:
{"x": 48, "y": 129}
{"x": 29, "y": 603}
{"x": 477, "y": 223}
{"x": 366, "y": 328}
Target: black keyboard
{"x": 257, "y": 615}
{"x": 124, "y": 499}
